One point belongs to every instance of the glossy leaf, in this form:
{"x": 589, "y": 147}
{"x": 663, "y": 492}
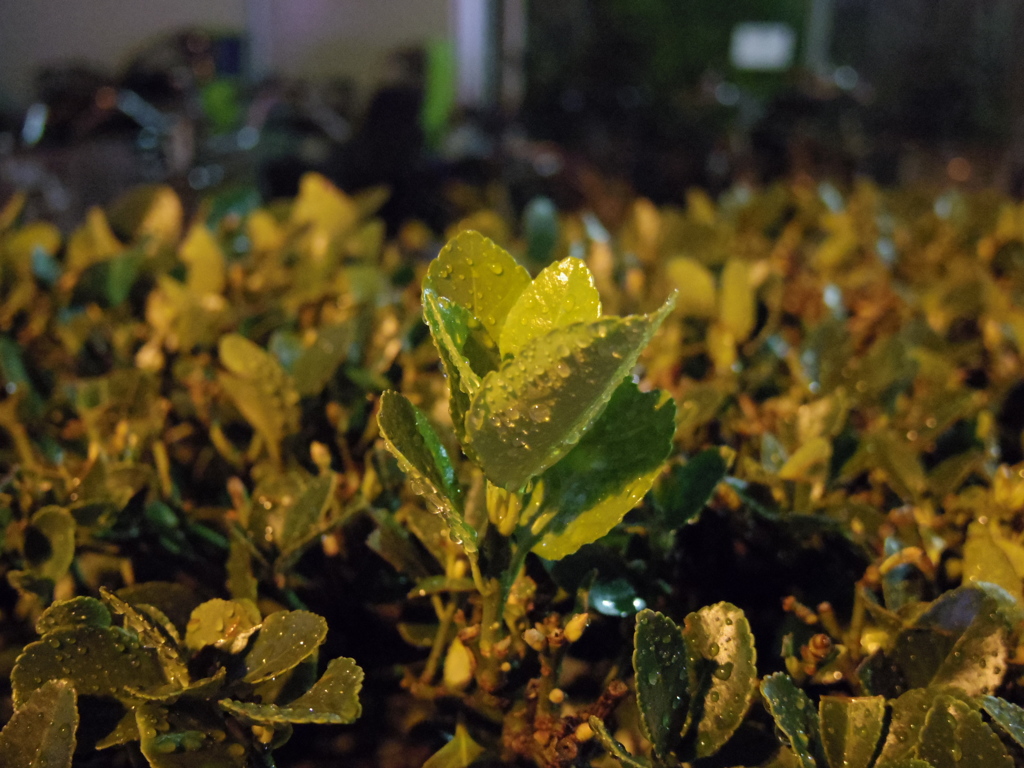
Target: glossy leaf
{"x": 41, "y": 733}
{"x": 723, "y": 674}
{"x": 187, "y": 737}
{"x": 153, "y": 634}
{"x": 907, "y": 722}
{"x": 285, "y": 639}
{"x": 605, "y": 475}
{"x": 76, "y": 612}
{"x": 333, "y": 699}
{"x": 794, "y": 716}
{"x": 851, "y": 729}
{"x": 528, "y": 414}
{"x": 309, "y": 511}
{"x": 1006, "y": 715}
{"x": 682, "y": 492}
{"x": 173, "y": 600}
{"x": 225, "y": 624}
{"x": 98, "y": 662}
{"x": 460, "y": 752}
{"x": 662, "y": 679}
{"x": 955, "y": 736}
{"x": 421, "y": 455}
{"x": 562, "y": 294}
{"x": 482, "y": 277}
{"x": 985, "y": 560}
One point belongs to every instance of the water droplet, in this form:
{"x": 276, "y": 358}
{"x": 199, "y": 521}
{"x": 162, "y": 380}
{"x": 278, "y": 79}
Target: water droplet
{"x": 53, "y": 642}
{"x": 540, "y": 413}
{"x": 714, "y": 649}
{"x": 562, "y": 369}
{"x": 497, "y": 269}
{"x": 652, "y": 677}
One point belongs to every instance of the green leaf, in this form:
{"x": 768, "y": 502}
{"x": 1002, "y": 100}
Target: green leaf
{"x": 241, "y": 583}
{"x": 153, "y": 634}
{"x": 224, "y": 624}
{"x": 203, "y": 689}
{"x": 187, "y": 737}
{"x": 609, "y": 470}
{"x": 76, "y": 612}
{"x": 41, "y": 733}
{"x": 613, "y": 747}
{"x": 696, "y": 286}
{"x": 906, "y": 762}
{"x": 317, "y": 363}
{"x": 98, "y": 661}
{"x": 528, "y": 414}
{"x": 718, "y": 639}
{"x": 794, "y": 715}
{"x": 474, "y": 272}
{"x": 205, "y": 260}
{"x": 333, "y": 699}
{"x": 682, "y": 492}
{"x": 285, "y": 639}
{"x": 173, "y": 600}
{"x": 308, "y": 513}
{"x": 421, "y": 455}
{"x": 985, "y": 560}
{"x": 540, "y": 228}
{"x": 955, "y": 736}
{"x": 49, "y": 547}
{"x": 662, "y": 679}
{"x": 1006, "y": 715}
{"x": 851, "y": 729}
{"x": 562, "y": 294}
{"x": 907, "y": 722}
{"x": 460, "y": 752}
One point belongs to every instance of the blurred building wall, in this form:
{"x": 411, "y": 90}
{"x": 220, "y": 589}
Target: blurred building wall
{"x": 315, "y": 38}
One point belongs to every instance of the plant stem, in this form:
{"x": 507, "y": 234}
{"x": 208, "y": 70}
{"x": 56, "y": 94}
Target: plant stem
{"x": 439, "y": 644}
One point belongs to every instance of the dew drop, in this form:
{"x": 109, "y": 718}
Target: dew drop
{"x": 497, "y": 269}
{"x": 540, "y": 413}
{"x": 53, "y": 642}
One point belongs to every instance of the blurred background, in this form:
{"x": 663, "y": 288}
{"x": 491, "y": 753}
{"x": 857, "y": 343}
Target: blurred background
{"x": 583, "y": 101}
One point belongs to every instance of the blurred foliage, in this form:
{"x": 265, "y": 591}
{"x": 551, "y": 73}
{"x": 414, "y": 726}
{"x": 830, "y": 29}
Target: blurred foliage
{"x": 775, "y": 439}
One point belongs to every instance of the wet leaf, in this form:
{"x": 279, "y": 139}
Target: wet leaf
{"x": 536, "y": 407}
{"x": 615, "y": 597}
{"x": 562, "y": 294}
{"x": 1006, "y": 715}
{"x": 197, "y": 690}
{"x": 98, "y": 661}
{"x": 309, "y": 511}
{"x": 723, "y": 675}
{"x": 333, "y": 699}
{"x": 954, "y": 736}
{"x": 412, "y": 440}
{"x": 175, "y": 601}
{"x": 606, "y": 474}
{"x": 985, "y": 560}
{"x": 41, "y": 733}
{"x": 173, "y": 737}
{"x": 153, "y": 634}
{"x": 76, "y": 612}
{"x": 460, "y": 752}
{"x": 907, "y": 722}
{"x": 682, "y": 492}
{"x": 286, "y": 638}
{"x": 482, "y": 277}
{"x": 662, "y": 679}
{"x": 851, "y": 729}
{"x": 794, "y": 716}
{"x": 225, "y": 624}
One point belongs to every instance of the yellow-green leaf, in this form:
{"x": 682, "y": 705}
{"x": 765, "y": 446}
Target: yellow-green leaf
{"x": 562, "y": 294}
{"x": 737, "y": 311}
{"x": 460, "y": 752}
{"x": 205, "y": 260}
{"x": 41, "y": 733}
{"x": 698, "y": 296}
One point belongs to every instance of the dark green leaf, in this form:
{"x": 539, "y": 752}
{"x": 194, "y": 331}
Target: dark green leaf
{"x": 794, "y": 715}
{"x": 954, "y": 736}
{"x": 718, "y": 640}
{"x": 153, "y": 634}
{"x": 50, "y": 543}
{"x": 285, "y": 639}
{"x": 540, "y": 224}
{"x": 528, "y": 414}
{"x": 187, "y": 737}
{"x": 175, "y": 601}
{"x": 681, "y": 493}
{"x": 76, "y": 612}
{"x": 333, "y": 699}
{"x": 1007, "y": 715}
{"x": 851, "y": 729}
{"x": 606, "y": 473}
{"x": 317, "y": 363}
{"x": 662, "y": 679}
{"x": 41, "y": 733}
{"x": 307, "y": 515}
{"x": 907, "y": 723}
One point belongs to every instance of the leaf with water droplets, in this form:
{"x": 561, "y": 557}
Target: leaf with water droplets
{"x": 562, "y": 294}
{"x": 460, "y": 752}
{"x": 955, "y": 736}
{"x": 98, "y": 661}
{"x": 1006, "y": 715}
{"x": 285, "y": 639}
{"x": 76, "y": 612}
{"x": 482, "y": 277}
{"x": 605, "y": 475}
{"x": 225, "y": 624}
{"x": 153, "y": 633}
{"x": 723, "y": 675}
{"x": 794, "y": 715}
{"x": 907, "y": 722}
{"x": 985, "y": 560}
{"x": 850, "y": 729}
{"x": 333, "y": 699}
{"x": 187, "y": 736}
{"x": 173, "y": 600}
{"x": 41, "y": 733}
{"x": 662, "y": 679}
{"x": 682, "y": 492}
{"x": 317, "y": 363}
{"x": 421, "y": 455}
{"x": 531, "y": 412}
